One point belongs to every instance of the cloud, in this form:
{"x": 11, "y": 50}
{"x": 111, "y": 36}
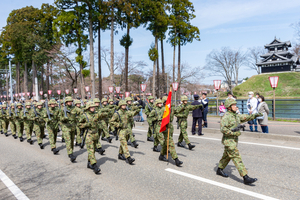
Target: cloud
{"x": 215, "y": 12}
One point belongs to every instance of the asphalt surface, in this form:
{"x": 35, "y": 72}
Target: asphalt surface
{"x": 41, "y": 175}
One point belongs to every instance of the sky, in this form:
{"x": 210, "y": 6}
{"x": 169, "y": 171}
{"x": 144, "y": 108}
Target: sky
{"x": 222, "y": 23}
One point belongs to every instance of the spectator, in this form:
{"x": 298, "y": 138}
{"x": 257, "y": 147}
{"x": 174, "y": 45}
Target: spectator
{"x": 222, "y": 109}
{"x": 252, "y": 109}
{"x": 204, "y": 102}
{"x": 197, "y": 117}
{"x": 141, "y": 103}
{"x": 229, "y": 95}
{"x": 117, "y": 101}
{"x": 264, "y": 109}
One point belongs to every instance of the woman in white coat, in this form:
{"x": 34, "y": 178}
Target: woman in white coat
{"x": 264, "y": 109}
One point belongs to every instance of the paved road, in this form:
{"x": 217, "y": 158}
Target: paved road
{"x": 41, "y": 175}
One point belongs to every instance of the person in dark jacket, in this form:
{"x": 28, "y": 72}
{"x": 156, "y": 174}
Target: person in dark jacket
{"x": 204, "y": 102}
{"x": 197, "y": 117}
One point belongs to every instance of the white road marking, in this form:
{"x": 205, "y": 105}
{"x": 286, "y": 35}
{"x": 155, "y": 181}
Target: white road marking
{"x": 258, "y": 144}
{"x": 12, "y": 187}
{"x": 222, "y": 185}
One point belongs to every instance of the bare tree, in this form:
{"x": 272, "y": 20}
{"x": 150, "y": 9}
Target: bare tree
{"x": 253, "y": 57}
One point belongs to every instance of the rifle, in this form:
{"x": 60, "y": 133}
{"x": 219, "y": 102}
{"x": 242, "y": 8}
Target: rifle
{"x": 238, "y": 128}
{"x": 150, "y": 108}
{"x": 83, "y": 141}
{"x": 24, "y": 110}
{"x": 59, "y": 104}
{"x": 47, "y": 108}
{"x": 16, "y": 110}
{"x": 9, "y": 111}
{"x": 177, "y": 121}
{"x": 36, "y": 114}
{"x": 65, "y": 109}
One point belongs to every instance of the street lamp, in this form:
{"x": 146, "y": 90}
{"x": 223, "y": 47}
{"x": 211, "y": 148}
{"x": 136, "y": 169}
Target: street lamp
{"x": 67, "y": 91}
{"x": 58, "y": 92}
{"x": 175, "y": 88}
{"x": 217, "y": 84}
{"x": 274, "y": 83}
{"x": 118, "y": 90}
{"x": 127, "y": 94}
{"x": 76, "y": 91}
{"x": 111, "y": 90}
{"x": 49, "y": 92}
{"x": 143, "y": 88}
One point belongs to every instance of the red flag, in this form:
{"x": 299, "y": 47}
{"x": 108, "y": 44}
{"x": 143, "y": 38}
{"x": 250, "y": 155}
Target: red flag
{"x": 166, "y": 117}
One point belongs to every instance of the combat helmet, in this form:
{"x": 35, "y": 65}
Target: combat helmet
{"x": 77, "y": 102}
{"x": 164, "y": 98}
{"x": 229, "y": 102}
{"x": 90, "y": 104}
{"x": 122, "y": 102}
{"x": 52, "y": 101}
{"x": 184, "y": 98}
{"x": 19, "y": 104}
{"x": 68, "y": 99}
{"x": 103, "y": 100}
{"x": 150, "y": 97}
{"x": 128, "y": 99}
{"x": 27, "y": 104}
{"x": 157, "y": 101}
{"x": 39, "y": 103}
{"x": 96, "y": 100}
{"x": 110, "y": 100}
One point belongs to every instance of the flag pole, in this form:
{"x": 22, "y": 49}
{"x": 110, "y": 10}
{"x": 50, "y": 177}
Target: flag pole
{"x": 169, "y": 127}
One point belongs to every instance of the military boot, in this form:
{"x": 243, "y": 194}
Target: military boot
{"x": 248, "y": 180}
{"x": 89, "y": 165}
{"x": 102, "y": 138}
{"x": 15, "y": 137}
{"x": 101, "y": 151}
{"x": 72, "y": 157}
{"x": 76, "y": 144}
{"x": 178, "y": 162}
{"x": 1, "y": 132}
{"x": 96, "y": 168}
{"x": 117, "y": 137}
{"x": 109, "y": 139}
{"x": 179, "y": 144}
{"x": 162, "y": 158}
{"x": 55, "y": 151}
{"x": 121, "y": 157}
{"x": 6, "y": 134}
{"x": 30, "y": 141}
{"x": 221, "y": 173}
{"x": 135, "y": 144}
{"x": 41, "y": 145}
{"x": 63, "y": 140}
{"x": 21, "y": 139}
{"x": 130, "y": 160}
{"x": 155, "y": 149}
{"x": 191, "y": 146}
{"x": 149, "y": 139}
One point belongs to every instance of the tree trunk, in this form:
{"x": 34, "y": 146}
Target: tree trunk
{"x": 18, "y": 78}
{"x": 99, "y": 63}
{"x": 112, "y": 51}
{"x": 157, "y": 76}
{"x": 25, "y": 80}
{"x": 164, "y": 80}
{"x": 42, "y": 79}
{"x": 126, "y": 62}
{"x": 153, "y": 76}
{"x": 92, "y": 57}
{"x": 34, "y": 81}
{"x": 174, "y": 63}
{"x": 7, "y": 85}
{"x": 51, "y": 72}
{"x": 179, "y": 69}
{"x": 47, "y": 76}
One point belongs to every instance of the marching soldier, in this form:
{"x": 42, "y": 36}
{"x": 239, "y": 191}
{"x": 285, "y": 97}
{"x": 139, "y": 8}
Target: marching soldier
{"x": 4, "y": 118}
{"x": 12, "y": 120}
{"x": 1, "y": 131}
{"x": 52, "y": 124}
{"x": 112, "y": 108}
{"x": 38, "y": 123}
{"x": 120, "y": 120}
{"x": 230, "y": 127}
{"x": 182, "y": 113}
{"x": 77, "y": 103}
{"x": 19, "y": 121}
{"x": 148, "y": 109}
{"x": 28, "y": 123}
{"x": 132, "y": 108}
{"x": 104, "y": 122}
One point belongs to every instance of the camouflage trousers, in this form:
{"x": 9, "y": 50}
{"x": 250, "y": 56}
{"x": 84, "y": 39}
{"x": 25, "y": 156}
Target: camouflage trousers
{"x": 91, "y": 144}
{"x": 232, "y": 153}
{"x": 183, "y": 134}
{"x": 20, "y": 128}
{"x": 69, "y": 135}
{"x": 99, "y": 145}
{"x": 150, "y": 128}
{"x": 39, "y": 130}
{"x": 78, "y": 138}
{"x": 52, "y": 131}
{"x": 104, "y": 129}
{"x": 123, "y": 134}
{"x": 130, "y": 135}
{"x": 12, "y": 126}
{"x": 28, "y": 127}
{"x": 171, "y": 143}
{"x": 1, "y": 125}
{"x": 5, "y": 125}
{"x": 158, "y": 137}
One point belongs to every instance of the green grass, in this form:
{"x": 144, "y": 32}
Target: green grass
{"x": 288, "y": 85}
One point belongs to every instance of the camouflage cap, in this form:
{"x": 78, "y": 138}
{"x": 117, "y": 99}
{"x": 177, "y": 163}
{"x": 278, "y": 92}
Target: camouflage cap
{"x": 184, "y": 98}
{"x": 122, "y": 102}
{"x": 103, "y": 100}
{"x": 128, "y": 99}
{"x": 90, "y": 104}
{"x": 150, "y": 97}
{"x": 96, "y": 100}
{"x": 229, "y": 102}
{"x": 39, "y": 103}
{"x": 27, "y": 104}
{"x": 164, "y": 98}
{"x": 68, "y": 99}
{"x": 85, "y": 101}
{"x": 77, "y": 102}
{"x": 157, "y": 101}
{"x": 52, "y": 101}
{"x": 19, "y": 104}
{"x": 110, "y": 100}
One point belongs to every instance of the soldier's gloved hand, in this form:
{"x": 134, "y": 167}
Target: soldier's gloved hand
{"x": 140, "y": 106}
{"x": 258, "y": 114}
{"x": 237, "y": 133}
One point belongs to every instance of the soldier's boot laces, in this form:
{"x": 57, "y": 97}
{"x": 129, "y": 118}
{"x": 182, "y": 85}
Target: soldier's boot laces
{"x": 155, "y": 149}
{"x": 179, "y": 144}
{"x": 130, "y": 160}
{"x": 21, "y": 139}
{"x": 109, "y": 139}
{"x": 15, "y": 136}
{"x": 89, "y": 165}
{"x": 135, "y": 144}
{"x": 96, "y": 168}
{"x": 6, "y": 134}
{"x": 101, "y": 151}
{"x": 149, "y": 139}
{"x": 121, "y": 157}
{"x": 162, "y": 158}
{"x": 72, "y": 157}
{"x": 178, "y": 162}
{"x": 191, "y": 146}
{"x": 55, "y": 151}
{"x": 221, "y": 173}
{"x": 41, "y": 145}
{"x": 248, "y": 180}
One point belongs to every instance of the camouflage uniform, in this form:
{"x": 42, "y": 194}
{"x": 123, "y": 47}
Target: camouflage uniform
{"x": 52, "y": 125}
{"x": 135, "y": 110}
{"x": 120, "y": 120}
{"x": 112, "y": 108}
{"x": 229, "y": 121}
{"x": 78, "y": 130}
{"x": 182, "y": 113}
{"x": 104, "y": 123}
{"x": 1, "y": 120}
{"x": 149, "y": 107}
{"x": 4, "y": 118}
{"x": 12, "y": 120}
{"x": 39, "y": 123}
{"x": 28, "y": 123}
{"x": 19, "y": 121}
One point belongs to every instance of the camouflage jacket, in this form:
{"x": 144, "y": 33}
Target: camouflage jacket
{"x": 231, "y": 120}
{"x": 70, "y": 119}
{"x": 88, "y": 120}
{"x": 28, "y": 115}
{"x": 134, "y": 109}
{"x": 157, "y": 114}
{"x": 4, "y": 114}
{"x": 122, "y": 118}
{"x": 54, "y": 115}
{"x": 38, "y": 119}
{"x": 148, "y": 108}
{"x": 183, "y": 110}
{"x": 19, "y": 115}
{"x": 112, "y": 110}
